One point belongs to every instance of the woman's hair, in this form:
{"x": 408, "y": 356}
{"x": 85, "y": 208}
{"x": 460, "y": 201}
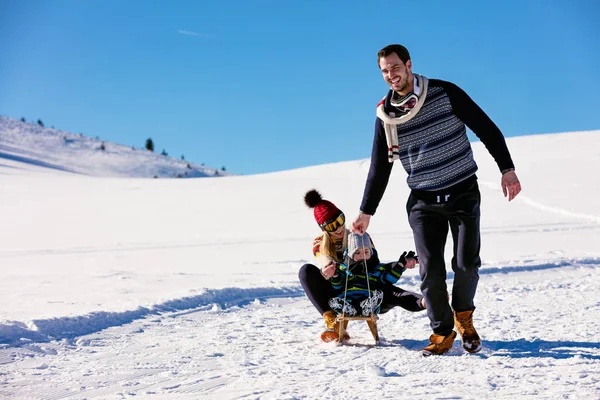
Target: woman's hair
{"x": 328, "y": 246}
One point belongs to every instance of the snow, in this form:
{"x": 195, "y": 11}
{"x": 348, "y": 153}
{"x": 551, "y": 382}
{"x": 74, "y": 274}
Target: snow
{"x": 115, "y": 285}
{"x": 39, "y": 148}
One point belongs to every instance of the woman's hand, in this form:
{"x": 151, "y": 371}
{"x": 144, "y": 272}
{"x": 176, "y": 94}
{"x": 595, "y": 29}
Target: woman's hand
{"x": 329, "y": 270}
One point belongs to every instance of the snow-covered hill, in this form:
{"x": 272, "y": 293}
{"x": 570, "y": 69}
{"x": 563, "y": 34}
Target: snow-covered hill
{"x": 116, "y": 288}
{"x": 30, "y": 146}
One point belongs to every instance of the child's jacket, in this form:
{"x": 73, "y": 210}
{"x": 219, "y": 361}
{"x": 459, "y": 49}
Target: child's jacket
{"x": 379, "y": 275}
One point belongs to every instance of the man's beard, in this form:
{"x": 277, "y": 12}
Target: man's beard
{"x": 403, "y": 85}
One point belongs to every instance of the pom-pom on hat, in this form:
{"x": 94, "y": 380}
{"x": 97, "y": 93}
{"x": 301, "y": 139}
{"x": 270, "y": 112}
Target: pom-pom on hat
{"x": 357, "y": 241}
{"x": 327, "y": 215}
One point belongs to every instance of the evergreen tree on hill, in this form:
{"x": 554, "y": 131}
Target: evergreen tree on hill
{"x": 149, "y": 144}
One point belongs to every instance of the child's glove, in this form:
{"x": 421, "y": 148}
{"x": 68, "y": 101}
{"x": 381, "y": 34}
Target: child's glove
{"x": 405, "y": 256}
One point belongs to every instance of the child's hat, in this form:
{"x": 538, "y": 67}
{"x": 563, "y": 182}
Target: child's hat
{"x": 357, "y": 241}
{"x": 327, "y": 215}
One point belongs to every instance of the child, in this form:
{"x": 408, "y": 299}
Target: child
{"x": 356, "y": 296}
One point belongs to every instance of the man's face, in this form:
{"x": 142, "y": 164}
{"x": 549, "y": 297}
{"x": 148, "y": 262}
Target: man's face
{"x": 397, "y": 74}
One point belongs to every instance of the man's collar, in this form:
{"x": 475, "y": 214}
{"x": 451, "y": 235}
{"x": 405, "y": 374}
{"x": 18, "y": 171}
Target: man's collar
{"x": 417, "y": 89}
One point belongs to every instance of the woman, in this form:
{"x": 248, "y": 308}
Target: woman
{"x": 328, "y": 249}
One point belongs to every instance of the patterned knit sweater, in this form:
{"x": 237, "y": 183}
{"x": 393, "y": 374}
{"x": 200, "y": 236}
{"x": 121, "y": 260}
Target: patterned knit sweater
{"x": 433, "y": 146}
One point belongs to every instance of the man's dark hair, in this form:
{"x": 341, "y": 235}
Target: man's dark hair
{"x": 400, "y": 50}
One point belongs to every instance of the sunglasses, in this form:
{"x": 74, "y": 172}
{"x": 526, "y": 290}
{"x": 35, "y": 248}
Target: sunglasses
{"x": 406, "y": 103}
{"x": 333, "y": 224}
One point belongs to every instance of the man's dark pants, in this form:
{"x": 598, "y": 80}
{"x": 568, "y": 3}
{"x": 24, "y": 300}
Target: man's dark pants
{"x": 430, "y": 214}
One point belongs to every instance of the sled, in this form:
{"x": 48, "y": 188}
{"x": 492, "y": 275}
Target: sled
{"x": 371, "y": 322}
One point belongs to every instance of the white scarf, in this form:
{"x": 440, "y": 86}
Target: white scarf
{"x": 390, "y": 123}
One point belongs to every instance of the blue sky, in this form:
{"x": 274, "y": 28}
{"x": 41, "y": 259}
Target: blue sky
{"x": 260, "y": 86}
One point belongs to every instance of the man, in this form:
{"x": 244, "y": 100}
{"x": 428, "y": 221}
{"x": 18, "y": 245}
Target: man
{"x": 421, "y": 122}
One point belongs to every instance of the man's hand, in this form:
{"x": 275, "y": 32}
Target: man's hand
{"x": 361, "y": 223}
{"x": 329, "y": 270}
{"x": 510, "y": 185}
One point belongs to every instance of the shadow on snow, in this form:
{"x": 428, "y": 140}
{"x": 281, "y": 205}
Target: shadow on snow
{"x": 520, "y": 348}
{"x": 16, "y": 333}
{"x": 32, "y": 161}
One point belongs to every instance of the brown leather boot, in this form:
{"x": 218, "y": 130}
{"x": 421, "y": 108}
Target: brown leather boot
{"x": 332, "y": 333}
{"x": 439, "y": 344}
{"x": 463, "y": 321}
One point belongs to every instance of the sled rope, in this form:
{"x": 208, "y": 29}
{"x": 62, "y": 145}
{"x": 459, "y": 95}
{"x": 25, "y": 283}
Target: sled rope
{"x": 362, "y": 244}
{"x": 370, "y": 320}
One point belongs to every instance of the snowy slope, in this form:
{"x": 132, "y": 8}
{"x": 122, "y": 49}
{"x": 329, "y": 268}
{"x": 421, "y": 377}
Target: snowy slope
{"x": 33, "y": 147}
{"x": 154, "y": 288}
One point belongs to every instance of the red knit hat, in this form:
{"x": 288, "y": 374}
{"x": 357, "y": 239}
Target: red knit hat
{"x": 326, "y": 213}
